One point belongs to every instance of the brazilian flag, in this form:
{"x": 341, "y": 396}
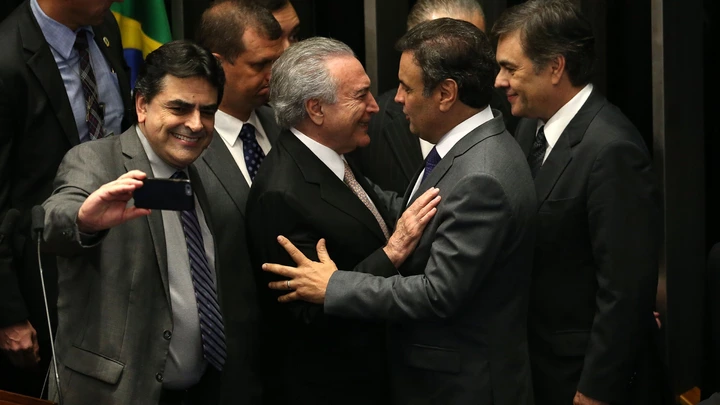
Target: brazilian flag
{"x": 144, "y": 27}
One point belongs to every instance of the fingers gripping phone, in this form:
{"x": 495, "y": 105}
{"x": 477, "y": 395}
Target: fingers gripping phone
{"x": 165, "y": 194}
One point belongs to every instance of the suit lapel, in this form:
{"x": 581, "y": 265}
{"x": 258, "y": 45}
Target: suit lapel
{"x": 490, "y": 128}
{"x": 561, "y": 154}
{"x": 218, "y": 158}
{"x": 136, "y": 159}
{"x": 266, "y": 115}
{"x": 112, "y": 51}
{"x": 332, "y": 189}
{"x": 41, "y": 62}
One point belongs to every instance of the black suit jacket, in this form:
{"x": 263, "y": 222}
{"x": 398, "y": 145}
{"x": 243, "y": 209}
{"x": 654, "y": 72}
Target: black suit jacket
{"x": 394, "y": 154}
{"x": 596, "y": 260}
{"x": 37, "y": 128}
{"x": 313, "y": 358}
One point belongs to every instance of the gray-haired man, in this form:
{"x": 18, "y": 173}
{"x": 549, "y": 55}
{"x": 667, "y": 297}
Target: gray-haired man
{"x": 306, "y": 191}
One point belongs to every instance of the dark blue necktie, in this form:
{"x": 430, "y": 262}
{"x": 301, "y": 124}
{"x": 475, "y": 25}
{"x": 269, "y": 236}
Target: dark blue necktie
{"x": 211, "y": 320}
{"x": 252, "y": 152}
{"x": 432, "y": 159}
{"x": 537, "y": 153}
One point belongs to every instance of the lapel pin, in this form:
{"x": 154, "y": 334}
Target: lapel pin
{"x": 107, "y": 41}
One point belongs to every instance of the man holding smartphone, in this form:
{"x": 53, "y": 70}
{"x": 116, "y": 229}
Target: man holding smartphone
{"x": 143, "y": 317}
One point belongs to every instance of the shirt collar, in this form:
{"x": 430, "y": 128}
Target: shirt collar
{"x": 160, "y": 168}
{"x": 332, "y": 159}
{"x": 58, "y": 36}
{"x": 555, "y": 126}
{"x": 456, "y": 134}
{"x": 228, "y": 127}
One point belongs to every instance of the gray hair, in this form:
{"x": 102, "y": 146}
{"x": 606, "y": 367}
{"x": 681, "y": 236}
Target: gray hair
{"x": 424, "y": 9}
{"x": 301, "y": 74}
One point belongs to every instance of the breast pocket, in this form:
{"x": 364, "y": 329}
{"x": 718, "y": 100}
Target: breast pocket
{"x": 562, "y": 220}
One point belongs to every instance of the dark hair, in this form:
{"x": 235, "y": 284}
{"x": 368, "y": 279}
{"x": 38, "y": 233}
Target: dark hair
{"x": 552, "y": 28}
{"x": 180, "y": 59}
{"x": 424, "y": 9}
{"x": 222, "y": 26}
{"x": 272, "y": 5}
{"x": 452, "y": 49}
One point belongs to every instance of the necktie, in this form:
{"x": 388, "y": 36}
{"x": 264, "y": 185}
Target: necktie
{"x": 93, "y": 112}
{"x": 357, "y": 189}
{"x": 432, "y": 159}
{"x": 252, "y": 152}
{"x": 212, "y": 330}
{"x": 537, "y": 153}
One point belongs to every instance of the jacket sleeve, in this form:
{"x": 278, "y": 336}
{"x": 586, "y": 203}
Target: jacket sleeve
{"x": 468, "y": 240}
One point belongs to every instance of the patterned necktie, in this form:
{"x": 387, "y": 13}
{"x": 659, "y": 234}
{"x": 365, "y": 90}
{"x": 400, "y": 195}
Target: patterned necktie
{"x": 93, "y": 112}
{"x": 252, "y": 152}
{"x": 537, "y": 153}
{"x": 212, "y": 330}
{"x": 357, "y": 189}
{"x": 432, "y": 159}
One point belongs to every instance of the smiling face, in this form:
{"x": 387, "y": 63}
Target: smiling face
{"x": 527, "y": 91}
{"x": 247, "y": 77}
{"x": 178, "y": 121}
{"x": 419, "y": 110}
{"x": 345, "y": 123}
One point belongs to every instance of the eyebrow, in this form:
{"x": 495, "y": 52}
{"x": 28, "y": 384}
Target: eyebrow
{"x": 361, "y": 91}
{"x": 506, "y": 64}
{"x": 185, "y": 105}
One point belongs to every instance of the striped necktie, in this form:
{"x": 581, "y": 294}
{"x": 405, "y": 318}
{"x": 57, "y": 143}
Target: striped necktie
{"x": 212, "y": 330}
{"x": 93, "y": 111}
{"x": 537, "y": 153}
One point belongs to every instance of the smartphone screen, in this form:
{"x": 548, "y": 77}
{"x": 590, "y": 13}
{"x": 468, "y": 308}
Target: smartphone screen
{"x": 165, "y": 194}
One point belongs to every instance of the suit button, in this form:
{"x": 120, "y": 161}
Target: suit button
{"x": 167, "y": 335}
{"x": 159, "y": 377}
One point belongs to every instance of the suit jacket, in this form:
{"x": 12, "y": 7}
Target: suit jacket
{"x": 458, "y": 307}
{"x": 313, "y": 358}
{"x": 115, "y": 316}
{"x": 596, "y": 260}
{"x": 37, "y": 128}
{"x": 394, "y": 154}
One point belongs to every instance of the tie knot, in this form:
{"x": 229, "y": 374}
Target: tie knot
{"x": 348, "y": 172}
{"x": 433, "y": 158}
{"x": 247, "y": 133}
{"x": 541, "y": 134}
{"x": 179, "y": 175}
{"x": 81, "y": 41}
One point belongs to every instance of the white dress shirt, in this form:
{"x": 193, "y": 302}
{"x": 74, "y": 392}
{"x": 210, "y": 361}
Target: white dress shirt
{"x": 228, "y": 127}
{"x": 455, "y": 135}
{"x": 560, "y": 120}
{"x": 185, "y": 364}
{"x": 334, "y": 161}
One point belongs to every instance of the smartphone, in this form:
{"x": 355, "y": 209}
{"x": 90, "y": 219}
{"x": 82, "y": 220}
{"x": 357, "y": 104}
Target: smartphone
{"x": 165, "y": 194}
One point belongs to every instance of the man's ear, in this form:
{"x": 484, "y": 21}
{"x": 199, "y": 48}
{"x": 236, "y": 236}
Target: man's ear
{"x": 141, "y": 105}
{"x": 314, "y": 109}
{"x": 557, "y": 68}
{"x": 447, "y": 94}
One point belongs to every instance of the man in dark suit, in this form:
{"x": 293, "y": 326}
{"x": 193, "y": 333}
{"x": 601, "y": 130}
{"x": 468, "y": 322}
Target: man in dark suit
{"x": 305, "y": 190}
{"x": 246, "y": 39}
{"x": 395, "y": 153}
{"x": 596, "y": 258}
{"x": 458, "y": 305}
{"x": 152, "y": 307}
{"x": 43, "y": 113}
